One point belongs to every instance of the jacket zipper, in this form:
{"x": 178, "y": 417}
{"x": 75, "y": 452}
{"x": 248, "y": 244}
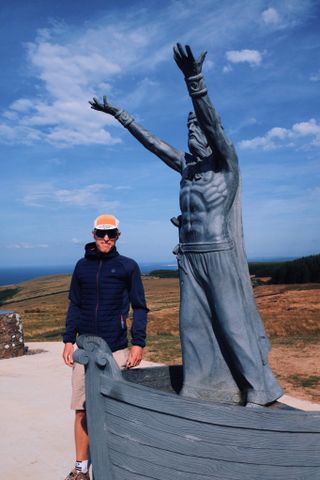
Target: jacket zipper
{"x": 97, "y": 305}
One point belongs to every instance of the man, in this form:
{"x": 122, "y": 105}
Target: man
{"x": 224, "y": 345}
{"x": 103, "y": 285}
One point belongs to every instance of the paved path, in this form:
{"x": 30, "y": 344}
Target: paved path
{"x": 36, "y": 440}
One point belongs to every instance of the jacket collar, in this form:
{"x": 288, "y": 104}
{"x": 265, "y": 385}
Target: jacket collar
{"x": 92, "y": 253}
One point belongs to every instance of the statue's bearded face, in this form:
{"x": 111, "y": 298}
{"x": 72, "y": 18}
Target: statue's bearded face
{"x": 197, "y": 141}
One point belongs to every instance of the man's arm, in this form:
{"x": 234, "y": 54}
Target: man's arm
{"x": 140, "y": 313}
{"x": 168, "y": 154}
{"x": 208, "y": 118}
{"x": 73, "y": 313}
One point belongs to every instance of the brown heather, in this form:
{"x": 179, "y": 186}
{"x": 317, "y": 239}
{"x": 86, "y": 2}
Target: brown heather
{"x": 291, "y": 314}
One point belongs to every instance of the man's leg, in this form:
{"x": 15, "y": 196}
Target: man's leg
{"x": 80, "y": 471}
{"x": 81, "y": 436}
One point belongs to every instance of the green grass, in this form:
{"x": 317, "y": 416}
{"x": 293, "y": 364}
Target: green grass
{"x": 164, "y": 348}
{"x": 304, "y": 381}
{"x": 294, "y": 339}
{"x": 7, "y": 294}
{"x": 49, "y": 335}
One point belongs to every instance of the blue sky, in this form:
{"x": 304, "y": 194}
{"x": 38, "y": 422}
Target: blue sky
{"x": 62, "y": 164}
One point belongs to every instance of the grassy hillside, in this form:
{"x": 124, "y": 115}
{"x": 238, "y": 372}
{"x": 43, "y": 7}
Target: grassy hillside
{"x": 42, "y": 302}
{"x": 287, "y": 310}
{"x": 291, "y": 314}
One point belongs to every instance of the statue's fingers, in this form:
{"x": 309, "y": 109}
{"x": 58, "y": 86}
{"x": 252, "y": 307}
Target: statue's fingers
{"x": 177, "y": 56}
{"x": 202, "y": 57}
{"x": 175, "y": 53}
{"x": 181, "y": 50}
{"x": 189, "y": 53}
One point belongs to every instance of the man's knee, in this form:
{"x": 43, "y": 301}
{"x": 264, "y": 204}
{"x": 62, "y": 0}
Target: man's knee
{"x": 80, "y": 413}
{"x": 81, "y": 416}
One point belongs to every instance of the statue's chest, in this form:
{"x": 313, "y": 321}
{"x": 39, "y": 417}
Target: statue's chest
{"x": 190, "y": 177}
{"x": 197, "y": 173}
{"x": 205, "y": 190}
{"x": 198, "y": 179}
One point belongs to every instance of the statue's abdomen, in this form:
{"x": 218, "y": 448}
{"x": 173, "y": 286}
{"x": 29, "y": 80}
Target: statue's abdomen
{"x": 204, "y": 203}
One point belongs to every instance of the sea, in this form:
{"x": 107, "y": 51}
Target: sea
{"x": 13, "y": 275}
{"x": 9, "y": 276}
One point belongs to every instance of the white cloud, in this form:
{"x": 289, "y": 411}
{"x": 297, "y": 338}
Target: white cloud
{"x": 208, "y": 65}
{"x": 315, "y": 77}
{"x": 47, "y": 195}
{"x": 121, "y": 52}
{"x": 67, "y": 73}
{"x": 278, "y": 137}
{"x": 22, "y": 105}
{"x": 23, "y": 245}
{"x": 77, "y": 241}
{"x": 307, "y": 128}
{"x": 253, "y": 57}
{"x": 145, "y": 88}
{"x": 123, "y": 187}
{"x": 287, "y": 15}
{"x": 270, "y": 16}
{"x": 247, "y": 122}
{"x": 227, "y": 69}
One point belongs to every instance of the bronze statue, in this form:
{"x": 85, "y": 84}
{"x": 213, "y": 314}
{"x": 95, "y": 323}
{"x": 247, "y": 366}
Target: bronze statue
{"x": 224, "y": 344}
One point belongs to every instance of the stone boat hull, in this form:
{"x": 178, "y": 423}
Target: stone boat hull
{"x": 140, "y": 428}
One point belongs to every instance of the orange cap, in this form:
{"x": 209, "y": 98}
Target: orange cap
{"x": 106, "y": 222}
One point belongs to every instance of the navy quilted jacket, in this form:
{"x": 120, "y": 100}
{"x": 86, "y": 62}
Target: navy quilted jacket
{"x": 102, "y": 287}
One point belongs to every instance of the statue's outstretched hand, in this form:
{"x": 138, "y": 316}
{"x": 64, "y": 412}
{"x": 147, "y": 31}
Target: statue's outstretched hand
{"x": 105, "y": 107}
{"x": 186, "y": 61}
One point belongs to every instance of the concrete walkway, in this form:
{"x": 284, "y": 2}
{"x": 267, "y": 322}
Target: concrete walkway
{"x": 36, "y": 439}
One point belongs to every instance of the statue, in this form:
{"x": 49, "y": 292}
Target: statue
{"x": 224, "y": 344}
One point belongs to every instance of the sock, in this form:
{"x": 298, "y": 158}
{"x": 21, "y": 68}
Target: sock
{"x": 82, "y": 466}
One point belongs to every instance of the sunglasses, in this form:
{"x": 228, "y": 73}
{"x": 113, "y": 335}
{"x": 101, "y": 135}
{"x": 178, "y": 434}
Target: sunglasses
{"x": 112, "y": 233}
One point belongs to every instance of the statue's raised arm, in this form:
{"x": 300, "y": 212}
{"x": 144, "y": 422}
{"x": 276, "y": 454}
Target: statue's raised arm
{"x": 168, "y": 154}
{"x": 206, "y": 114}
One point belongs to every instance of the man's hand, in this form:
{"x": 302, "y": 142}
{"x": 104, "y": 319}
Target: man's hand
{"x": 105, "y": 107}
{"x": 186, "y": 61}
{"x": 68, "y": 354}
{"x": 135, "y": 356}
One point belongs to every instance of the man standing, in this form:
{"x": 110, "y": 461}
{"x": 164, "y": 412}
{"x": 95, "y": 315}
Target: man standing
{"x": 224, "y": 344}
{"x": 103, "y": 285}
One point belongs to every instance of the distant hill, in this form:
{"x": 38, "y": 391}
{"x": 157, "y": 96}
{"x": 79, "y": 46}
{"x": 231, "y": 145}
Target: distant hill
{"x": 302, "y": 270}
{"x": 264, "y": 269}
{"x": 159, "y": 273}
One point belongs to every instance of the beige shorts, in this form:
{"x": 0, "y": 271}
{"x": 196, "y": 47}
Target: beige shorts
{"x": 78, "y": 387}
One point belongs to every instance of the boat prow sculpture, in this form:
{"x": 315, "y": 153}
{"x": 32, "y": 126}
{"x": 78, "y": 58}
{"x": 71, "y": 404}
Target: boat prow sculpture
{"x": 140, "y": 428}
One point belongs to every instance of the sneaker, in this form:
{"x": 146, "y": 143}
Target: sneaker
{"x": 76, "y": 475}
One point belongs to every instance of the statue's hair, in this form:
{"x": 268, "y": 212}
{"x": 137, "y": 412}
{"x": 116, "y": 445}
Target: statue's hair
{"x": 191, "y": 117}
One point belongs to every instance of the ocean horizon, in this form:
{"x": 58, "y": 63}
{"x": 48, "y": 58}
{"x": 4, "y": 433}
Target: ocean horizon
{"x": 13, "y": 275}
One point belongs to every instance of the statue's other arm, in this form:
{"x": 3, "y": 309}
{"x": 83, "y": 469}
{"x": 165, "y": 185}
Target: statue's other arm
{"x": 207, "y": 116}
{"x": 168, "y": 154}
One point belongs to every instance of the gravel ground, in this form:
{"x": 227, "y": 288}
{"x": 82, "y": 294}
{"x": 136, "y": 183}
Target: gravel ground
{"x": 36, "y": 422}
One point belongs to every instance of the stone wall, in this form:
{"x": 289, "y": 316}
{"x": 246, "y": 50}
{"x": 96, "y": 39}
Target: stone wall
{"x": 11, "y": 335}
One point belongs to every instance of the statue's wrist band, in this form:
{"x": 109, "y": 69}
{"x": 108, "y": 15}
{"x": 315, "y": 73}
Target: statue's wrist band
{"x": 196, "y": 85}
{"x": 124, "y": 118}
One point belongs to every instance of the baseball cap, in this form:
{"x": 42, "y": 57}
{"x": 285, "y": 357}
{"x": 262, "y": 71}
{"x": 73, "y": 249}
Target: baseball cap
{"x": 106, "y": 222}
